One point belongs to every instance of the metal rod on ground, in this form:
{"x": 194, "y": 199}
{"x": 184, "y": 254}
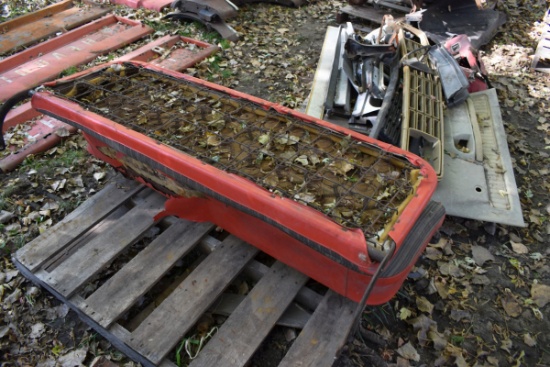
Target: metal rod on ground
{"x": 361, "y": 305}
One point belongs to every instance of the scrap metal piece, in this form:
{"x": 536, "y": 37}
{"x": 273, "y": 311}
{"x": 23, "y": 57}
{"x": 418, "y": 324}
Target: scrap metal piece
{"x": 447, "y": 17}
{"x": 476, "y": 149}
{"x": 355, "y": 48}
{"x": 366, "y": 110}
{"x": 334, "y": 74}
{"x": 212, "y": 13}
{"x": 423, "y": 101}
{"x": 454, "y": 83}
{"x": 392, "y": 4}
{"x": 321, "y": 80}
{"x": 422, "y": 124}
{"x": 343, "y": 87}
{"x": 473, "y": 68}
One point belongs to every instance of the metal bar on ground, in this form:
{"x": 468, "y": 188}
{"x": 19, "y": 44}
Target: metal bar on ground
{"x": 43, "y": 62}
{"x": 31, "y": 28}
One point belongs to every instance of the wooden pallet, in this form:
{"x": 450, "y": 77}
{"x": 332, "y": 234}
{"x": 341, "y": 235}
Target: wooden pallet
{"x": 109, "y": 261}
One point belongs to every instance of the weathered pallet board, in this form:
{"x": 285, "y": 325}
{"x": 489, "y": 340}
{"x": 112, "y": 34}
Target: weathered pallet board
{"x": 257, "y": 314}
{"x": 79, "y": 261}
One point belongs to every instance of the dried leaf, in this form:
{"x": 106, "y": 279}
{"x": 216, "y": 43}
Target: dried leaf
{"x": 506, "y": 345}
{"x": 50, "y": 362}
{"x": 404, "y": 313}
{"x": 62, "y": 132}
{"x": 540, "y": 293}
{"x": 98, "y": 176}
{"x": 402, "y": 362}
{"x": 422, "y": 322}
{"x": 442, "y": 288}
{"x": 340, "y": 167}
{"x": 519, "y": 248}
{"x": 409, "y": 352}
{"x": 433, "y": 254}
{"x": 424, "y": 305}
{"x": 263, "y": 139}
{"x": 459, "y": 315}
{"x": 446, "y": 268}
{"x": 460, "y": 361}
{"x": 510, "y": 305}
{"x": 58, "y": 185}
{"x": 5, "y": 216}
{"x": 37, "y": 330}
{"x": 213, "y": 140}
{"x": 73, "y": 358}
{"x": 50, "y": 206}
{"x": 528, "y": 340}
{"x": 481, "y": 280}
{"x": 302, "y": 160}
{"x": 481, "y": 255}
{"x": 440, "y": 342}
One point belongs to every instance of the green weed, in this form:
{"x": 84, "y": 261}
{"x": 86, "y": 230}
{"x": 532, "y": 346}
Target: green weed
{"x": 69, "y": 71}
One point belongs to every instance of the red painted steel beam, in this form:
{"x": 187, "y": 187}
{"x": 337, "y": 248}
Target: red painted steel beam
{"x": 47, "y": 60}
{"x": 157, "y": 5}
{"x": 29, "y": 29}
{"x": 44, "y": 134}
{"x": 169, "y": 52}
{"x": 172, "y": 52}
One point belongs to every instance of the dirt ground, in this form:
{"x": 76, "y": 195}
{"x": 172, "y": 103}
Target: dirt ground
{"x": 478, "y": 297}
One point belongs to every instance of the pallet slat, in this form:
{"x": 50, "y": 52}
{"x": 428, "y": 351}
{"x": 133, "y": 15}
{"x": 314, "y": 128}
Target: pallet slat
{"x": 256, "y": 316}
{"x": 325, "y": 334}
{"x": 85, "y": 263}
{"x": 180, "y": 311}
{"x": 293, "y": 317}
{"x": 117, "y": 295}
{"x": 34, "y": 254}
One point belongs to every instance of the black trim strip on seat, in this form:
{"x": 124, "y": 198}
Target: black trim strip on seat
{"x": 418, "y": 235}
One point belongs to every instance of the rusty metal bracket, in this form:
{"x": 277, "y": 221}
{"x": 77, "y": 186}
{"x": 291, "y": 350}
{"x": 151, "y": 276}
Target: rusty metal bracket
{"x": 211, "y": 13}
{"x": 214, "y": 13}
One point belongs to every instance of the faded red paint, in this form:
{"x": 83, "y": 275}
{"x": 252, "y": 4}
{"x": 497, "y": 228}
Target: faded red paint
{"x": 29, "y": 29}
{"x": 42, "y": 135}
{"x": 178, "y": 58}
{"x": 47, "y": 60}
{"x": 157, "y": 5}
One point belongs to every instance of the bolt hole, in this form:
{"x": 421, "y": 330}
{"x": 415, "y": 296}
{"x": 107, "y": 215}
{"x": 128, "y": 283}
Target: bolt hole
{"x": 478, "y": 189}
